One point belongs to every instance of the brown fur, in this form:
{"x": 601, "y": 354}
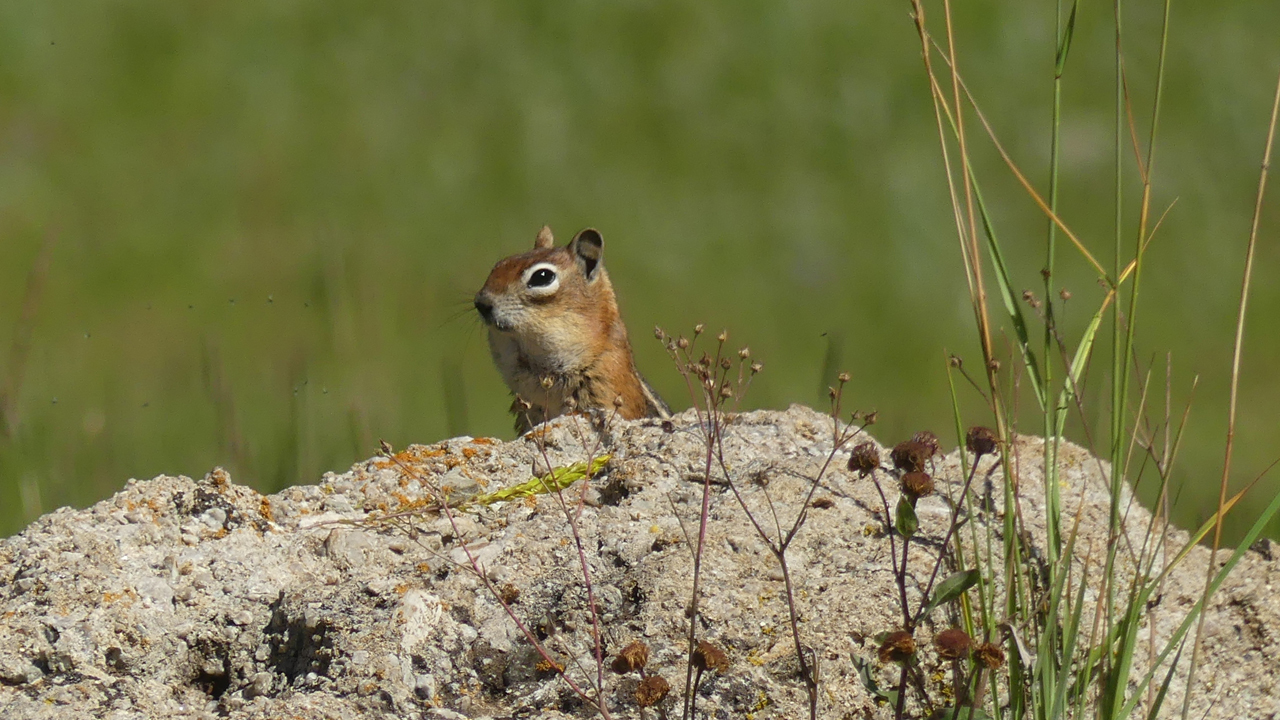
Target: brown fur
{"x": 566, "y": 343}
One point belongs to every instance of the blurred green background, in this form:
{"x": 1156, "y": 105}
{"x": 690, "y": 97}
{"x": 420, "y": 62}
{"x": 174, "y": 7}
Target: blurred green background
{"x": 247, "y": 233}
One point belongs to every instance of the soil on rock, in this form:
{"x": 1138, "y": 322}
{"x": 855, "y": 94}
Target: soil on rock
{"x": 183, "y": 598}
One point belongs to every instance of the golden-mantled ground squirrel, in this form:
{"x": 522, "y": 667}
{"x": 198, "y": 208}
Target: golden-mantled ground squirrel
{"x": 557, "y": 337}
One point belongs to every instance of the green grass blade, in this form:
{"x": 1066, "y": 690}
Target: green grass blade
{"x": 1064, "y": 46}
{"x": 1174, "y": 641}
{"x": 1007, "y": 297}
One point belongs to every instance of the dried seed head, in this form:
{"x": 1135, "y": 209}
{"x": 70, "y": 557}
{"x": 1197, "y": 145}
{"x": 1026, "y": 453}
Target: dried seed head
{"x": 917, "y": 484}
{"x": 547, "y": 381}
{"x": 725, "y": 363}
{"x": 632, "y": 657}
{"x": 831, "y": 393}
{"x": 523, "y": 404}
{"x": 756, "y": 367}
{"x": 509, "y": 593}
{"x": 697, "y": 329}
{"x": 843, "y": 377}
{"x": 744, "y": 353}
{"x": 952, "y": 644}
{"x": 910, "y": 456}
{"x": 682, "y": 342}
{"x": 990, "y": 654}
{"x": 651, "y": 691}
{"x": 994, "y": 364}
{"x": 386, "y": 447}
{"x": 864, "y": 458}
{"x": 870, "y": 418}
{"x": 981, "y": 440}
{"x": 898, "y": 646}
{"x": 570, "y": 404}
{"x": 1065, "y": 294}
{"x": 723, "y": 337}
{"x": 709, "y": 657}
{"x": 617, "y": 401}
{"x": 929, "y": 440}
{"x": 658, "y": 333}
{"x": 726, "y": 391}
{"x": 705, "y": 360}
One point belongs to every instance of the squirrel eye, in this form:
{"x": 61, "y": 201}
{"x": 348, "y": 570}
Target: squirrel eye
{"x": 542, "y": 277}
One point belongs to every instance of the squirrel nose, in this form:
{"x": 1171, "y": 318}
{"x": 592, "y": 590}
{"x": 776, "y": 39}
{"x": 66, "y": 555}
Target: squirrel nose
{"x": 485, "y": 308}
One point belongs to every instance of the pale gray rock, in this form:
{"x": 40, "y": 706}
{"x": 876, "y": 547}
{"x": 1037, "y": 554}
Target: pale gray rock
{"x": 183, "y": 598}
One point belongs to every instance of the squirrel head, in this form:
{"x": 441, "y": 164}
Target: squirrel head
{"x": 554, "y": 306}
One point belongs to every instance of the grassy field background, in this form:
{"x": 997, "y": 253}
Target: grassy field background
{"x": 247, "y": 234}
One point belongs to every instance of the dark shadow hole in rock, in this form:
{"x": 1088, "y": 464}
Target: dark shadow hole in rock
{"x": 115, "y": 659}
{"x": 615, "y": 491}
{"x": 42, "y": 664}
{"x": 569, "y": 703}
{"x": 215, "y": 684}
{"x": 296, "y": 648}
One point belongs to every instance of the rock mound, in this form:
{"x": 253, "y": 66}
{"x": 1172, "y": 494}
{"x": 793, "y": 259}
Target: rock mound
{"x": 180, "y": 598}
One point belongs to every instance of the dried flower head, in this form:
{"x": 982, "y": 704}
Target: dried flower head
{"x": 864, "y": 458}
{"x": 990, "y": 654}
{"x": 709, "y": 657}
{"x": 726, "y": 391}
{"x": 651, "y": 691}
{"x": 955, "y": 361}
{"x": 910, "y": 456}
{"x": 917, "y": 484}
{"x": 844, "y": 377}
{"x": 929, "y": 440}
{"x": 723, "y": 337}
{"x": 994, "y": 365}
{"x": 697, "y": 329}
{"x": 725, "y": 363}
{"x": 633, "y": 657}
{"x": 981, "y": 440}
{"x": 1065, "y": 294}
{"x": 509, "y": 593}
{"x": 952, "y": 644}
{"x": 547, "y": 381}
{"x": 744, "y": 353}
{"x": 682, "y": 342}
{"x": 898, "y": 646}
{"x": 756, "y": 367}
{"x": 658, "y": 333}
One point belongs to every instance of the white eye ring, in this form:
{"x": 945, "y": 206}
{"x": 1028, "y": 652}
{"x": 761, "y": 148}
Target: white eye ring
{"x": 536, "y": 279}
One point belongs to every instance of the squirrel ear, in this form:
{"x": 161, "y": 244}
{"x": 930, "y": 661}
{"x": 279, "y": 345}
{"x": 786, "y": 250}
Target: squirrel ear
{"x": 544, "y": 239}
{"x": 588, "y": 247}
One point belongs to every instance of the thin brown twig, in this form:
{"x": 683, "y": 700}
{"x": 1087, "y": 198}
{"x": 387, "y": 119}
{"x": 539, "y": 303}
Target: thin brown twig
{"x": 1236, "y": 353}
